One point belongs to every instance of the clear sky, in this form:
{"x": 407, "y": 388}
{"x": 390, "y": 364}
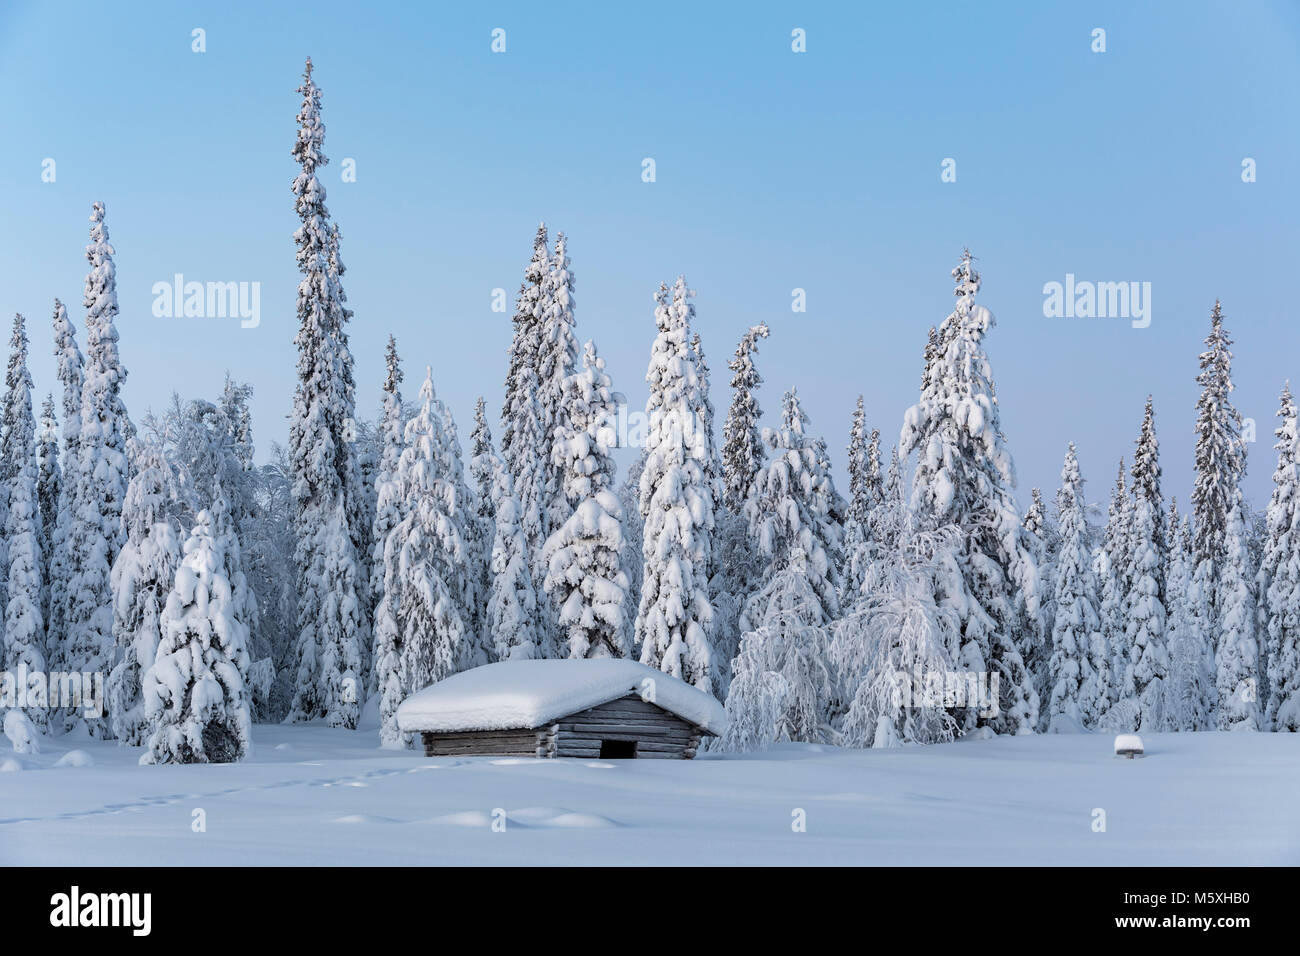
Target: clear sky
{"x": 775, "y": 170}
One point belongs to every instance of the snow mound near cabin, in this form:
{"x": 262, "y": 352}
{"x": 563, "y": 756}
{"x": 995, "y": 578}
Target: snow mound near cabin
{"x": 520, "y": 694}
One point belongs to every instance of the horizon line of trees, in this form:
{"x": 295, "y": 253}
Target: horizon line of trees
{"x": 369, "y": 560}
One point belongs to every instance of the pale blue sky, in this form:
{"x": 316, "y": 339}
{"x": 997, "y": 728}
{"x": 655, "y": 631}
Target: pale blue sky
{"x": 776, "y": 170}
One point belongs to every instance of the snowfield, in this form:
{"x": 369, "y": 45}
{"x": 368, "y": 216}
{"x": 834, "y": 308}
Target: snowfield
{"x": 308, "y": 794}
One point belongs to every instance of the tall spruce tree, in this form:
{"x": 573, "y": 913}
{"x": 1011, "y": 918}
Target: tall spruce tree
{"x": 101, "y": 472}
{"x": 1278, "y": 581}
{"x": 1220, "y": 454}
{"x": 964, "y": 475}
{"x": 557, "y": 359}
{"x": 1111, "y": 566}
{"x": 143, "y": 575}
{"x": 387, "y": 493}
{"x": 790, "y": 510}
{"x": 1237, "y": 652}
{"x": 742, "y": 444}
{"x": 331, "y": 590}
{"x": 24, "y": 634}
{"x": 583, "y": 556}
{"x": 673, "y": 625}
{"x": 1144, "y": 610}
{"x": 1075, "y": 691}
{"x": 62, "y": 565}
{"x": 49, "y": 486}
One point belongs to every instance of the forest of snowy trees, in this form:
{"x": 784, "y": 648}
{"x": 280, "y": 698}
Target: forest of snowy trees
{"x": 365, "y": 560}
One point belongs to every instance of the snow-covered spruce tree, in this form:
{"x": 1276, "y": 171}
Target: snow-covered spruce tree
{"x": 196, "y": 700}
{"x": 673, "y": 625}
{"x": 142, "y": 578}
{"x": 742, "y": 444}
{"x": 269, "y": 543}
{"x": 387, "y": 492}
{"x": 512, "y": 603}
{"x": 521, "y": 429}
{"x": 1191, "y": 693}
{"x": 706, "y": 415}
{"x": 1144, "y": 610}
{"x": 49, "y": 485}
{"x": 1037, "y": 535}
{"x": 889, "y": 516}
{"x": 964, "y": 475}
{"x": 1110, "y": 565}
{"x": 557, "y": 359}
{"x": 101, "y": 474}
{"x": 331, "y": 591}
{"x": 1277, "y": 584}
{"x": 584, "y": 575}
{"x": 629, "y": 499}
{"x": 424, "y": 556}
{"x": 1075, "y": 693}
{"x": 1237, "y": 654}
{"x": 791, "y": 509}
{"x": 864, "y": 495}
{"x": 71, "y": 376}
{"x": 1220, "y": 454}
{"x": 782, "y": 683}
{"x": 901, "y": 637}
{"x": 469, "y": 578}
{"x": 482, "y": 464}
{"x": 24, "y": 635}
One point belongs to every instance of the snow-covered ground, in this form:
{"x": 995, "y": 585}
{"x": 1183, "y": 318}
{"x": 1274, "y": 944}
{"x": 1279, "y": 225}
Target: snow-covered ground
{"x": 308, "y": 794}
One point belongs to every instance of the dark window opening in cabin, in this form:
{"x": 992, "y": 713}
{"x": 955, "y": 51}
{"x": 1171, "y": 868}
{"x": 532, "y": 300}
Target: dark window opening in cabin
{"x": 618, "y": 750}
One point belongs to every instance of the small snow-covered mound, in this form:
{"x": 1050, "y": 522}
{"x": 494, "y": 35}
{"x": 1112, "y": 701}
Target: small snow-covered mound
{"x": 10, "y": 765}
{"x": 466, "y": 818}
{"x": 75, "y": 758}
{"x": 1064, "y": 724}
{"x": 362, "y": 818}
{"x": 21, "y": 733}
{"x": 583, "y": 821}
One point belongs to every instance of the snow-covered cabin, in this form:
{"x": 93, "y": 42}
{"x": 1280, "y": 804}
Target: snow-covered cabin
{"x": 562, "y": 708}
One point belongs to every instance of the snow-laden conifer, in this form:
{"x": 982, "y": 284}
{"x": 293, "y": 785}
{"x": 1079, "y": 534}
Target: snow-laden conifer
{"x": 791, "y": 507}
{"x": 1237, "y": 653}
{"x": 101, "y": 472}
{"x": 196, "y": 698}
{"x": 62, "y": 566}
{"x": 49, "y": 487}
{"x": 1191, "y": 694}
{"x": 1278, "y": 581}
{"x": 1075, "y": 691}
{"x": 143, "y": 575}
{"x": 963, "y": 476}
{"x": 332, "y": 585}
{"x": 676, "y": 502}
{"x": 24, "y": 633}
{"x": 742, "y": 445}
{"x": 583, "y": 556}
{"x": 1220, "y": 454}
{"x": 1147, "y": 661}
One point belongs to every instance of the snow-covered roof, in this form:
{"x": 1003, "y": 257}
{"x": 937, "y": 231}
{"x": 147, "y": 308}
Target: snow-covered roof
{"x": 515, "y": 694}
